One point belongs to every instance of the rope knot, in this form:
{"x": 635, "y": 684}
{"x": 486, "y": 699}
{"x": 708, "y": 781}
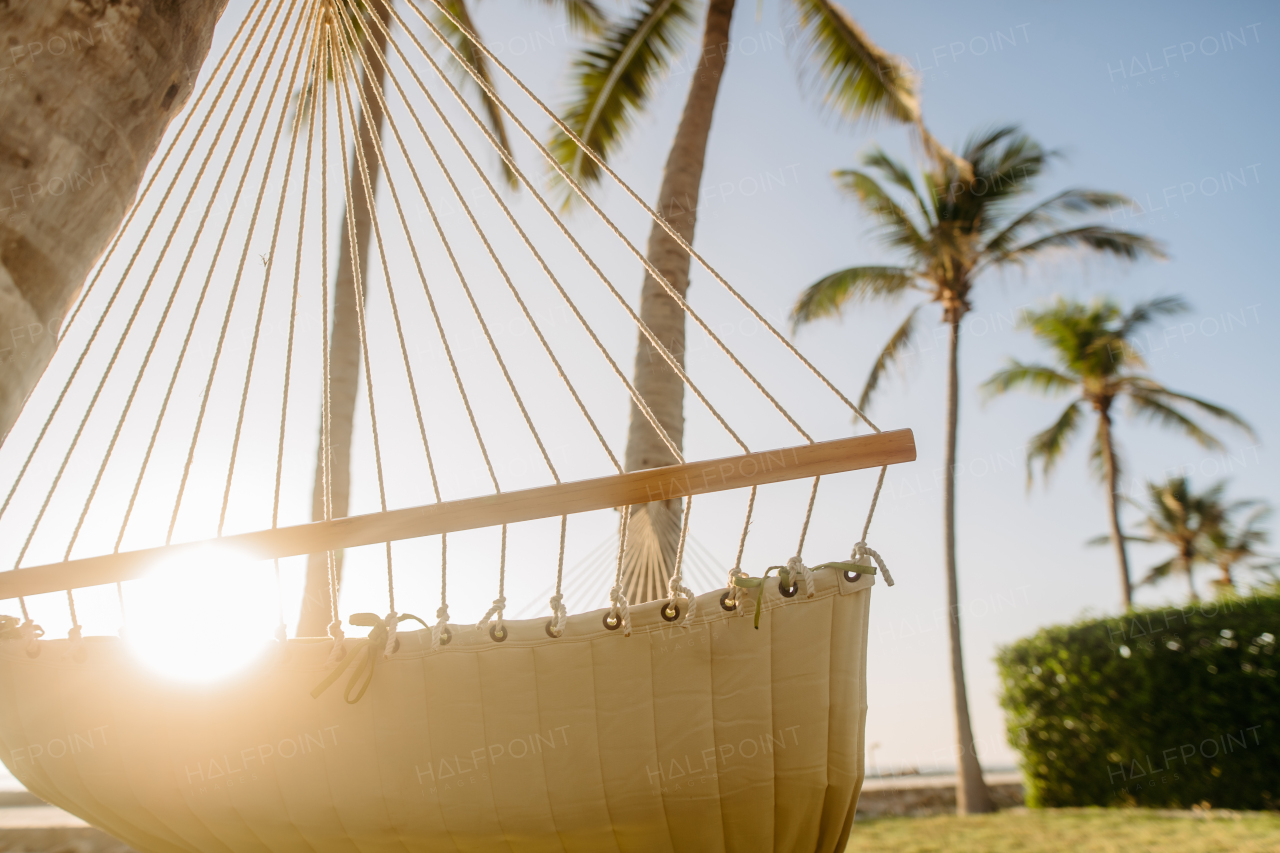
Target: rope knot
{"x": 559, "y": 614}
{"x": 499, "y": 605}
{"x": 862, "y": 553}
{"x": 621, "y": 608}
{"x": 674, "y": 589}
{"x": 76, "y": 650}
{"x": 441, "y": 628}
{"x": 797, "y": 570}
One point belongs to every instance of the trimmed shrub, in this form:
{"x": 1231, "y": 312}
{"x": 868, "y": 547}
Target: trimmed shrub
{"x": 1169, "y": 708}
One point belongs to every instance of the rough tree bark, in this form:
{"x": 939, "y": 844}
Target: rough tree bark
{"x": 344, "y": 340}
{"x": 655, "y": 527}
{"x": 86, "y": 92}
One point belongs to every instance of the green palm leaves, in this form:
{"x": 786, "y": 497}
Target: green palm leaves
{"x": 615, "y": 78}
{"x": 1095, "y": 357}
{"x": 950, "y": 228}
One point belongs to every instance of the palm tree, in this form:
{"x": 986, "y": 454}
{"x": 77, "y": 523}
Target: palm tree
{"x": 957, "y": 231}
{"x": 344, "y": 345}
{"x": 136, "y": 71}
{"x": 1098, "y": 363}
{"x": 614, "y": 81}
{"x": 1234, "y": 544}
{"x": 1187, "y": 521}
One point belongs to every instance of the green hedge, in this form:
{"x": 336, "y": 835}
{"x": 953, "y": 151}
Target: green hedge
{"x": 1168, "y": 708}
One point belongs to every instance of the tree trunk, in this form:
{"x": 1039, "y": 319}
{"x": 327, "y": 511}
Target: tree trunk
{"x": 972, "y": 796}
{"x": 1113, "y": 506}
{"x": 1187, "y": 563}
{"x": 86, "y": 93}
{"x": 655, "y": 528}
{"x": 344, "y": 342}
{"x": 1225, "y": 581}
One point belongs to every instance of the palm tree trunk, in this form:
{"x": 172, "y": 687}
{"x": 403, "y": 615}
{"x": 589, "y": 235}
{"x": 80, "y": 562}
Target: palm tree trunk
{"x": 344, "y": 341}
{"x": 1113, "y": 506}
{"x": 972, "y": 796}
{"x": 1225, "y": 581}
{"x": 1187, "y": 563}
{"x": 651, "y": 551}
{"x": 86, "y": 92}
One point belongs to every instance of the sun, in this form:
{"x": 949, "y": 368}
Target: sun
{"x": 203, "y": 615}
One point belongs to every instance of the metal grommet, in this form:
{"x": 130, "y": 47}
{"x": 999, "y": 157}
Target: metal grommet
{"x": 551, "y": 631}
{"x": 788, "y": 591}
{"x": 670, "y": 611}
{"x": 612, "y": 622}
{"x": 852, "y": 577}
{"x": 724, "y": 599}
{"x": 396, "y": 647}
{"x": 495, "y": 635}
{"x": 445, "y": 636}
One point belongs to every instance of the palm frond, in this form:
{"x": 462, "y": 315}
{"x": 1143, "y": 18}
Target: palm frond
{"x": 1049, "y": 213}
{"x": 1150, "y": 388}
{"x": 895, "y": 227}
{"x": 1123, "y": 244}
{"x": 1049, "y": 445}
{"x": 614, "y": 80}
{"x": 462, "y": 35}
{"x": 1159, "y": 572}
{"x": 898, "y": 174}
{"x": 857, "y": 79}
{"x": 1149, "y": 406}
{"x": 1146, "y": 312}
{"x": 584, "y": 16}
{"x": 1037, "y": 377}
{"x": 898, "y": 345}
{"x": 827, "y": 296}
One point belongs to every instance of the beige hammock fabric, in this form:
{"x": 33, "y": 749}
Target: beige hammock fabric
{"x": 716, "y": 737}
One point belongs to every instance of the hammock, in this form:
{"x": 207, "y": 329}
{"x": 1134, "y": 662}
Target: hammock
{"x": 728, "y": 720}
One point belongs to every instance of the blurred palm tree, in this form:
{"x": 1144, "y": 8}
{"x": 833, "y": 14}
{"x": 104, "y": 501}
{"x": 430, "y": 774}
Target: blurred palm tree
{"x": 614, "y": 81}
{"x": 1235, "y": 544}
{"x": 954, "y": 229}
{"x": 364, "y": 26}
{"x": 1186, "y": 521}
{"x": 1096, "y": 360}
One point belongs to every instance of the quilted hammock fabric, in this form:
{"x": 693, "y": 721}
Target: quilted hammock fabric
{"x": 715, "y": 737}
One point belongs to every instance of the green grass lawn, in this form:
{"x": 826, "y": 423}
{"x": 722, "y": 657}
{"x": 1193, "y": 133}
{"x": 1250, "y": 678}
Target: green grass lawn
{"x": 1074, "y": 830}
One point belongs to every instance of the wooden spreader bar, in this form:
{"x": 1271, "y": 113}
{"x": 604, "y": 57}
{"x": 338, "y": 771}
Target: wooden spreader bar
{"x": 638, "y": 487}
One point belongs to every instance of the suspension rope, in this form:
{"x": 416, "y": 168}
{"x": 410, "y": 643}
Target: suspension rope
{"x": 129, "y": 325}
{"x": 658, "y": 276}
{"x": 266, "y": 282}
{"x": 226, "y": 319}
{"x": 506, "y": 277}
{"x": 599, "y": 161}
{"x": 326, "y": 432}
{"x": 344, "y": 98}
{"x": 666, "y": 354}
{"x": 66, "y": 386}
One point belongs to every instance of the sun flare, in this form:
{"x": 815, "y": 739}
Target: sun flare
{"x": 204, "y": 616}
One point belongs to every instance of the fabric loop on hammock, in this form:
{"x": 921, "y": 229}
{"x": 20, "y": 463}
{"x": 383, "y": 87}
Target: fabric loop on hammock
{"x": 30, "y": 634}
{"x": 364, "y": 657}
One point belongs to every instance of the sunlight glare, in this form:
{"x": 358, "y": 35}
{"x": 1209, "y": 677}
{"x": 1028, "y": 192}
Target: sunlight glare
{"x": 200, "y": 617}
